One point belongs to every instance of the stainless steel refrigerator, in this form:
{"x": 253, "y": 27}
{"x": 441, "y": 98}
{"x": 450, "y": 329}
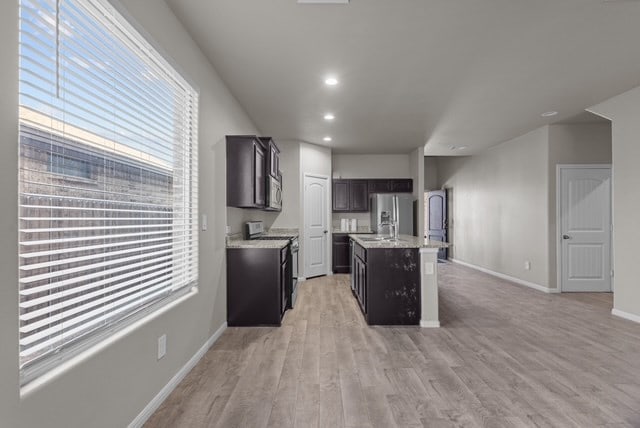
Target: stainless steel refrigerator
{"x": 386, "y": 208}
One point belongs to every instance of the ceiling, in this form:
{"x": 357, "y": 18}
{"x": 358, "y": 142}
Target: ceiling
{"x": 464, "y": 73}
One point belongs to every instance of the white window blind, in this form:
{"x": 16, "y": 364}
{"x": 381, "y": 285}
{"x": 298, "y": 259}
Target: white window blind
{"x": 108, "y": 177}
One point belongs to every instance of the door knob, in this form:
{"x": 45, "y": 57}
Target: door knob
{"x": 566, "y": 237}
{"x": 326, "y": 231}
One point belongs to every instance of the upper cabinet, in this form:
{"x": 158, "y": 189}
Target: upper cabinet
{"x": 273, "y": 157}
{"x": 246, "y": 172}
{"x": 352, "y": 195}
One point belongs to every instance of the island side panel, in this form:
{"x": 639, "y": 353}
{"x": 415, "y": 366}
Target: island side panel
{"x": 429, "y": 276}
{"x": 393, "y": 286}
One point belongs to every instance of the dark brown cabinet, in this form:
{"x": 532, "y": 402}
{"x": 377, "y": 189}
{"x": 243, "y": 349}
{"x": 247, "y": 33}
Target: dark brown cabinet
{"x": 386, "y": 284}
{"x": 258, "y": 285}
{"x": 391, "y": 185}
{"x": 359, "y": 195}
{"x": 341, "y": 253}
{"x": 273, "y": 160}
{"x": 350, "y": 195}
{"x": 246, "y": 172}
{"x": 341, "y": 194}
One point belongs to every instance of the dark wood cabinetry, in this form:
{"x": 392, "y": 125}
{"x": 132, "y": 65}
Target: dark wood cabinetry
{"x": 258, "y": 285}
{"x": 273, "y": 159}
{"x": 352, "y": 195}
{"x": 386, "y": 283}
{"x": 246, "y": 172}
{"x": 359, "y": 195}
{"x": 341, "y": 194}
{"x": 341, "y": 253}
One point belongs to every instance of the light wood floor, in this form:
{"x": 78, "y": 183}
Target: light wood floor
{"x": 505, "y": 356}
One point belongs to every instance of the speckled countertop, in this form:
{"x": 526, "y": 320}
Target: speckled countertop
{"x": 405, "y": 241}
{"x": 282, "y": 232}
{"x": 236, "y": 241}
{"x": 361, "y": 229}
{"x": 257, "y": 243}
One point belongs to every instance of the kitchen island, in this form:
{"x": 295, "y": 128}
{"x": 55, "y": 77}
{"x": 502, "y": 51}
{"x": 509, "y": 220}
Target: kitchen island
{"x": 395, "y": 280}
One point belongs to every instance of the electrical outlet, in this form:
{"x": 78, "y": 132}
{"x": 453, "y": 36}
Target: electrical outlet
{"x": 228, "y": 229}
{"x": 527, "y": 265}
{"x": 162, "y": 346}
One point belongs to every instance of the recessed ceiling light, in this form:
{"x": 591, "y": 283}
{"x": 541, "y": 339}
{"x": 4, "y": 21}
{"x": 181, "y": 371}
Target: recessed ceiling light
{"x": 329, "y": 116}
{"x": 462, "y": 148}
{"x": 327, "y": 139}
{"x": 452, "y": 147}
{"x": 331, "y": 81}
{"x": 549, "y": 113}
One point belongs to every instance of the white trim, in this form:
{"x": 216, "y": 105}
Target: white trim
{"x": 301, "y": 279}
{"x": 625, "y": 315}
{"x": 429, "y": 324}
{"x": 559, "y": 168}
{"x": 175, "y": 380}
{"x": 508, "y": 277}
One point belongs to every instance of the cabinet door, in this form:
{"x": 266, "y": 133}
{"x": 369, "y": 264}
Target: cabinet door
{"x": 341, "y": 195}
{"x": 260, "y": 180}
{"x": 359, "y": 195}
{"x": 274, "y": 160}
{"x": 363, "y": 290}
{"x": 341, "y": 262}
{"x": 379, "y": 186}
{"x": 284, "y": 280}
{"x": 402, "y": 185}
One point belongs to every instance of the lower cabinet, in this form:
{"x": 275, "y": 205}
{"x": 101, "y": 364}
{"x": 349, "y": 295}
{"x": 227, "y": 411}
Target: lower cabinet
{"x": 258, "y": 285}
{"x": 341, "y": 253}
{"x": 386, "y": 284}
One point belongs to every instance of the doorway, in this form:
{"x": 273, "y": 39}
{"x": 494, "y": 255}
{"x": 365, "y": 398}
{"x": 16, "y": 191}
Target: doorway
{"x": 436, "y": 228}
{"x": 316, "y": 225}
{"x": 584, "y": 228}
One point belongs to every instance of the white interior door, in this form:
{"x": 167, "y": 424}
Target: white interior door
{"x": 585, "y": 226}
{"x": 315, "y": 226}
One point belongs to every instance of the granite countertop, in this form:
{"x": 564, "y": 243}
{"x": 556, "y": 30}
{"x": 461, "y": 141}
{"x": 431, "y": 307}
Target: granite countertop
{"x": 257, "y": 243}
{"x": 405, "y": 241}
{"x": 236, "y": 241}
{"x": 282, "y": 232}
{"x": 361, "y": 229}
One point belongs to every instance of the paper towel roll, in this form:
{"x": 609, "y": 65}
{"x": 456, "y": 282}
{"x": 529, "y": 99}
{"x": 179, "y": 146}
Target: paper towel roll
{"x": 344, "y": 225}
{"x": 354, "y": 225}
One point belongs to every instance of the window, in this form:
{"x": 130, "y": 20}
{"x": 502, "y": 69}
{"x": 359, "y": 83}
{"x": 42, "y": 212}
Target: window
{"x": 108, "y": 178}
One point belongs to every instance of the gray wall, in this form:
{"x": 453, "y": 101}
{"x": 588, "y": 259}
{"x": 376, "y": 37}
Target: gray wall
{"x": 430, "y": 173}
{"x": 502, "y": 202}
{"x": 111, "y": 385}
{"x": 371, "y": 166}
{"x": 498, "y": 206}
{"x": 624, "y": 111}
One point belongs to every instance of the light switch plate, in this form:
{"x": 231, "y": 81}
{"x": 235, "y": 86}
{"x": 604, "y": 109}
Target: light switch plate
{"x": 205, "y": 225}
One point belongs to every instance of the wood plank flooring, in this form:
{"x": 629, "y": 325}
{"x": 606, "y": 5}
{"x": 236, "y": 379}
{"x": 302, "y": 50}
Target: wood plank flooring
{"x": 505, "y": 356}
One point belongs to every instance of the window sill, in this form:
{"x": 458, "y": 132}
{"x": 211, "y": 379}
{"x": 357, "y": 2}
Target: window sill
{"x": 102, "y": 341}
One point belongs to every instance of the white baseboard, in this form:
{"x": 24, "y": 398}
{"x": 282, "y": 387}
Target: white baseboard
{"x": 175, "y": 380}
{"x": 625, "y": 315}
{"x": 508, "y": 277}
{"x": 301, "y": 278}
{"x": 429, "y": 324}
